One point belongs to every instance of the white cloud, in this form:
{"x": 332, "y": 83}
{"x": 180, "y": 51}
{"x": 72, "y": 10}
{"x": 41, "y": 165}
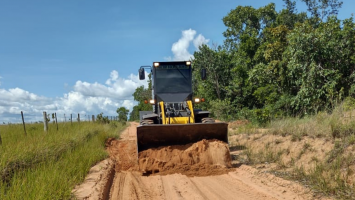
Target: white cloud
{"x": 200, "y": 40}
{"x": 115, "y": 88}
{"x": 180, "y": 48}
{"x": 85, "y": 98}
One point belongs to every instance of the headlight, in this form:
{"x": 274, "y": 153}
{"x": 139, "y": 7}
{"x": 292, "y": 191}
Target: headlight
{"x": 197, "y": 100}
{"x": 188, "y": 63}
{"x": 152, "y": 101}
{"x": 156, "y": 64}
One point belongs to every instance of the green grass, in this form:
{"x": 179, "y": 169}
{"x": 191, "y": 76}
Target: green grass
{"x": 48, "y": 165}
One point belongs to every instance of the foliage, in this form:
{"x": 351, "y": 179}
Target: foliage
{"x": 140, "y": 95}
{"x": 221, "y": 109}
{"x": 349, "y": 104}
{"x": 277, "y": 64}
{"x": 122, "y": 114}
{"x": 102, "y": 119}
{"x": 318, "y": 64}
{"x": 215, "y": 88}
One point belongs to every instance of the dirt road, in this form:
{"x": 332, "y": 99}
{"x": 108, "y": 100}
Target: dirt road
{"x": 126, "y": 182}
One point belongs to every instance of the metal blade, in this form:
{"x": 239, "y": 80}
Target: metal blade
{"x": 157, "y": 135}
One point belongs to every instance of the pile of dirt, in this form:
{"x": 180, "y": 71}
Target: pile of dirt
{"x": 203, "y": 158}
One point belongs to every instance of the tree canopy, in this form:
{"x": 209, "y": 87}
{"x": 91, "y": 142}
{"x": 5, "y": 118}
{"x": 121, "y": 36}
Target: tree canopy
{"x": 122, "y": 114}
{"x": 278, "y": 63}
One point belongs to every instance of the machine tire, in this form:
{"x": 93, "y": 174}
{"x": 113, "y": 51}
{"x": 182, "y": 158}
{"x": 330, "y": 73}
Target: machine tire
{"x": 207, "y": 120}
{"x": 146, "y": 122}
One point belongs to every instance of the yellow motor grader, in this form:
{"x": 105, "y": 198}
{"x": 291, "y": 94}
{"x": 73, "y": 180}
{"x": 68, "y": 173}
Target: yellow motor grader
{"x": 174, "y": 119}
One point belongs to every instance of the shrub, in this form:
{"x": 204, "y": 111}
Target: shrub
{"x": 101, "y": 119}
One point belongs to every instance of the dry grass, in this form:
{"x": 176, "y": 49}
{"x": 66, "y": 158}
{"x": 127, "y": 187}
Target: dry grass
{"x": 315, "y": 150}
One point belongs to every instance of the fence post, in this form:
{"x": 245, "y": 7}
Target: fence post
{"x": 78, "y": 117}
{"x": 71, "y": 119}
{"x": 93, "y": 118}
{"x": 45, "y": 122}
{"x": 23, "y": 122}
{"x": 0, "y": 139}
{"x": 55, "y": 115}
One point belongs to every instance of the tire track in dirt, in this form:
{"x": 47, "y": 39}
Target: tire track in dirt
{"x": 225, "y": 187}
{"x": 178, "y": 187}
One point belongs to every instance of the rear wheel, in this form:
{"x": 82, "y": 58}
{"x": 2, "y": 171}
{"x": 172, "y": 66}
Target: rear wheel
{"x": 207, "y": 120}
{"x": 146, "y": 122}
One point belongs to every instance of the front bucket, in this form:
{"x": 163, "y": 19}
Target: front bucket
{"x": 157, "y": 135}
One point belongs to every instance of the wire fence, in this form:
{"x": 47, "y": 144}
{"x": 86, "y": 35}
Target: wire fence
{"x": 36, "y": 118}
{"x": 55, "y": 119}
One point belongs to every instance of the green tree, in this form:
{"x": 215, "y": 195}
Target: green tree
{"x": 244, "y": 27}
{"x": 122, "y": 114}
{"x": 269, "y": 77}
{"x": 217, "y": 65}
{"x": 140, "y": 95}
{"x": 244, "y": 36}
{"x": 217, "y": 62}
{"x": 278, "y": 63}
{"x": 289, "y": 16}
{"x": 102, "y": 119}
{"x": 320, "y": 63}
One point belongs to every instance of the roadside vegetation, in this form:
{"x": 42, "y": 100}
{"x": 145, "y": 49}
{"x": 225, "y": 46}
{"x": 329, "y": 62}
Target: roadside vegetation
{"x": 317, "y": 150}
{"x": 48, "y": 165}
{"x": 277, "y": 64}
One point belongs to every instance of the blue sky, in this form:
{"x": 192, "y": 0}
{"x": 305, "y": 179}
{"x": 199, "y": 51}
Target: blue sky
{"x": 82, "y": 56}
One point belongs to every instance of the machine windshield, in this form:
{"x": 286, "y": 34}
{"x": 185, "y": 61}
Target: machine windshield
{"x": 172, "y": 79}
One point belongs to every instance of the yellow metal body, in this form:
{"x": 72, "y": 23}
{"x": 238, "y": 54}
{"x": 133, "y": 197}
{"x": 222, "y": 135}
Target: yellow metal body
{"x": 177, "y": 120}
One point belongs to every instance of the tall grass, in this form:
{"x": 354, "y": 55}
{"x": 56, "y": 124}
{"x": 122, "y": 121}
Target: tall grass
{"x": 338, "y": 124}
{"x": 333, "y": 174}
{"x": 48, "y": 165}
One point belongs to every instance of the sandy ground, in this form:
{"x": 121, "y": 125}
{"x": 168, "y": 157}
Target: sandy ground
{"x": 127, "y": 181}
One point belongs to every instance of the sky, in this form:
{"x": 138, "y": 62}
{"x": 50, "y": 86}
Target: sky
{"x": 83, "y": 56}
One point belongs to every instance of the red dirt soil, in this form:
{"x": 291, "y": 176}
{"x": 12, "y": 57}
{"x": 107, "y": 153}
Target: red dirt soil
{"x": 195, "y": 171}
{"x": 203, "y": 158}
